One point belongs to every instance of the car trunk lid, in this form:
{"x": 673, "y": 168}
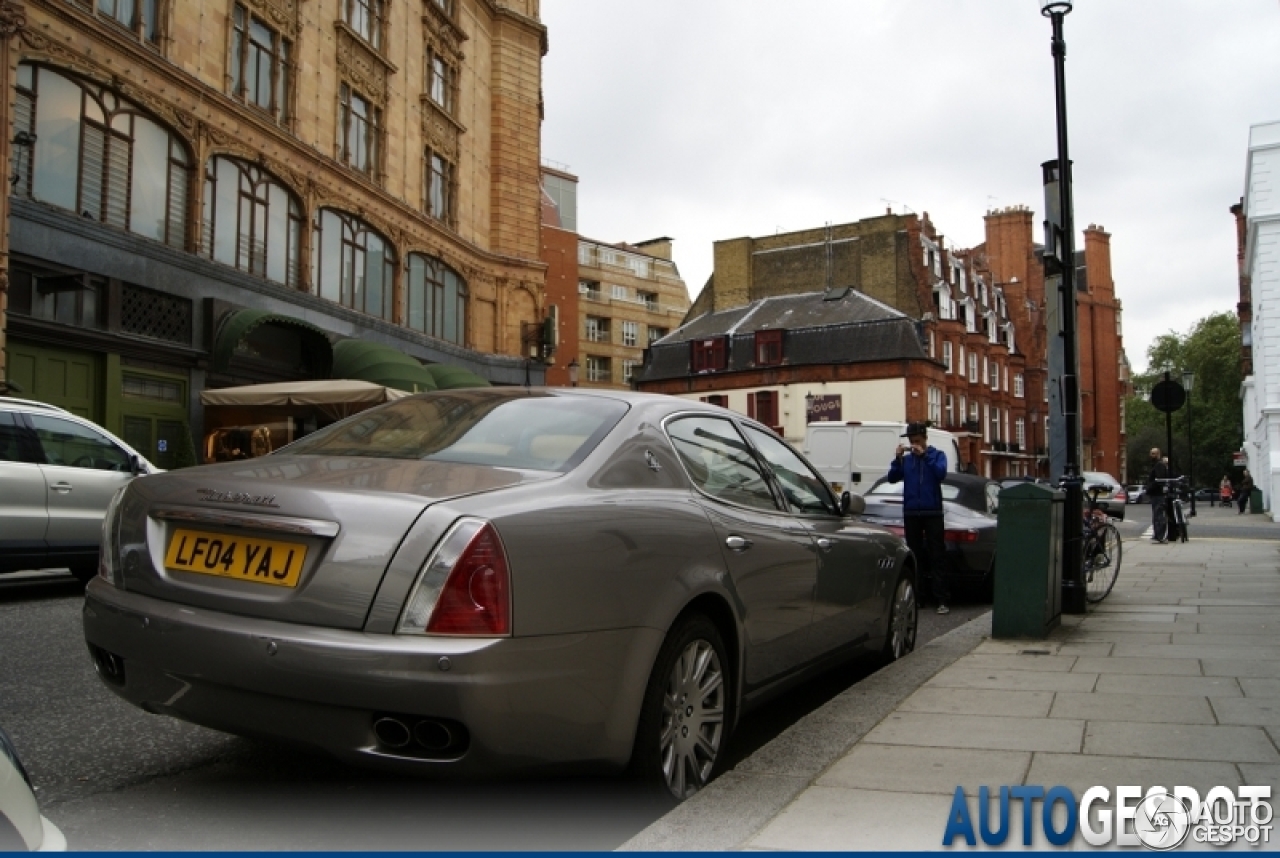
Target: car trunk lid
{"x": 302, "y": 539}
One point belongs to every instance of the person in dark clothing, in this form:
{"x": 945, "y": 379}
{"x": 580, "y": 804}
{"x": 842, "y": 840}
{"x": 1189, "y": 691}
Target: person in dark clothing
{"x": 921, "y": 469}
{"x": 1246, "y": 490}
{"x": 1155, "y": 494}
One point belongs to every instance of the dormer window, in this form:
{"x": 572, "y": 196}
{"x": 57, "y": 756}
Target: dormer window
{"x": 768, "y": 348}
{"x": 711, "y": 355}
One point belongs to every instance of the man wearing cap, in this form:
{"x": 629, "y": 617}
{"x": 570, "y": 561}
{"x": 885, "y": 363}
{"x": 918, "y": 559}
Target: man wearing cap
{"x": 921, "y": 469}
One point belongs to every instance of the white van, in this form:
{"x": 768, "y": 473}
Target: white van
{"x": 852, "y": 456}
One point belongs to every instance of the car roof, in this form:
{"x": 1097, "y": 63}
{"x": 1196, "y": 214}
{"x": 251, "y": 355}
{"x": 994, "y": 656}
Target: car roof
{"x": 31, "y": 403}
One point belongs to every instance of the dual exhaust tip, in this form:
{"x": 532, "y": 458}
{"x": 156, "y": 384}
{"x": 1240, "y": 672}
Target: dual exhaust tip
{"x": 429, "y": 737}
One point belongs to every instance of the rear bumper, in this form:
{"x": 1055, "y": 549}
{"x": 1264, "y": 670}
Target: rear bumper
{"x": 556, "y": 701}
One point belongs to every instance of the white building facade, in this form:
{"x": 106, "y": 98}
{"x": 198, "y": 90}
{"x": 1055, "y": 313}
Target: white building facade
{"x": 1260, "y": 391}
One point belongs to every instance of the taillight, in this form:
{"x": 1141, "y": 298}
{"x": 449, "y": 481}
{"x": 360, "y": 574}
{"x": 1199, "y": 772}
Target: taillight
{"x": 109, "y": 547}
{"x": 464, "y": 587}
{"x": 961, "y": 536}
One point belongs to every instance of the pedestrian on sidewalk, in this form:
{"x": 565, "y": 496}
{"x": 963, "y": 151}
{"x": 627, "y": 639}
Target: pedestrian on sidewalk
{"x": 1246, "y": 490}
{"x": 1224, "y": 491}
{"x": 921, "y": 468}
{"x": 1155, "y": 494}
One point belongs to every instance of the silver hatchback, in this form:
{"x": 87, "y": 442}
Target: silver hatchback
{"x": 492, "y": 579}
{"x": 59, "y": 472}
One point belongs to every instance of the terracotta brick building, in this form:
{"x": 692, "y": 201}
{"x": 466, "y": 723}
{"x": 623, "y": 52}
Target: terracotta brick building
{"x": 606, "y": 302}
{"x": 342, "y": 169}
{"x": 980, "y": 320}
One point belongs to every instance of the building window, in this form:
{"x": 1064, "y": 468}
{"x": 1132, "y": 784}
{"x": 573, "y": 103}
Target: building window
{"x": 438, "y": 192}
{"x": 649, "y": 299}
{"x": 598, "y": 369}
{"x": 445, "y": 6}
{"x": 1019, "y": 389}
{"x": 259, "y": 65}
{"x": 140, "y": 17}
{"x": 656, "y": 333}
{"x": 995, "y": 423}
{"x": 589, "y": 289}
{"x": 950, "y": 419}
{"x": 935, "y": 405}
{"x": 72, "y": 299}
{"x": 351, "y": 264}
{"x": 1020, "y": 433}
{"x": 359, "y": 130}
{"x": 620, "y": 293}
{"x": 441, "y": 81}
{"x": 932, "y": 352}
{"x": 768, "y": 348}
{"x": 630, "y": 333}
{"x": 628, "y": 370}
{"x": 716, "y": 399}
{"x": 435, "y": 299}
{"x": 947, "y": 355}
{"x": 709, "y": 355}
{"x": 597, "y": 329}
{"x": 763, "y": 406}
{"x": 365, "y": 17}
{"x": 101, "y": 157}
{"x": 973, "y": 367}
{"x": 995, "y": 375}
{"x": 964, "y": 408}
{"x": 251, "y": 221}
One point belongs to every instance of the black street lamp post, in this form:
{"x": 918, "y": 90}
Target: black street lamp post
{"x": 1073, "y": 595}
{"x": 1188, "y": 381}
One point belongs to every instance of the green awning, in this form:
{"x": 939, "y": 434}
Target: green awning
{"x": 450, "y": 377}
{"x": 237, "y": 325}
{"x": 380, "y": 364}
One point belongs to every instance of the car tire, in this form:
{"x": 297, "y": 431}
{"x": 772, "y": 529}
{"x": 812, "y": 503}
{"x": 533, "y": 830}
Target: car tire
{"x": 904, "y": 620}
{"x": 84, "y": 572}
{"x": 687, "y": 710}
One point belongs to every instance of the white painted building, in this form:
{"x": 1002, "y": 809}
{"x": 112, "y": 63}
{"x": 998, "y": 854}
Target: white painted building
{"x": 1260, "y": 391}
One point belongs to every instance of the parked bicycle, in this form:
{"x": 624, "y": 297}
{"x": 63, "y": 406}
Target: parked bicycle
{"x": 1174, "y": 490}
{"x": 1101, "y": 549}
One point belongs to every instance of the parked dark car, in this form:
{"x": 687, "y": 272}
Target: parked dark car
{"x": 968, "y": 507}
{"x": 494, "y": 579}
{"x": 1209, "y": 496}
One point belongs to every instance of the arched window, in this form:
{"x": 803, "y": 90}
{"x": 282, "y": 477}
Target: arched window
{"x": 100, "y": 156}
{"x": 351, "y": 264}
{"x": 436, "y": 299}
{"x": 251, "y": 221}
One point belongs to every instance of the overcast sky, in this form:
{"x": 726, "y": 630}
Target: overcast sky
{"x": 713, "y": 119}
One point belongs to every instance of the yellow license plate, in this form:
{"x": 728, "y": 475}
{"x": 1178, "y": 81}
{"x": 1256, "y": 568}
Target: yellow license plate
{"x": 245, "y": 558}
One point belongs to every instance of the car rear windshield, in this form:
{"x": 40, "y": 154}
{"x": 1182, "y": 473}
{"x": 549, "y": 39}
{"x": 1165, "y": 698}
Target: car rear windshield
{"x": 536, "y": 432}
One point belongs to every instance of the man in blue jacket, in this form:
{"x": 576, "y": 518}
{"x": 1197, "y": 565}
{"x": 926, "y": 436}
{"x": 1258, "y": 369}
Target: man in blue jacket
{"x": 921, "y": 469}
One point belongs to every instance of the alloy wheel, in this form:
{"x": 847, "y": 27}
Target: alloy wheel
{"x": 902, "y": 629}
{"x": 693, "y": 710}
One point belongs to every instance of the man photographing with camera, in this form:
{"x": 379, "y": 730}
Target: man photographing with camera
{"x": 921, "y": 468}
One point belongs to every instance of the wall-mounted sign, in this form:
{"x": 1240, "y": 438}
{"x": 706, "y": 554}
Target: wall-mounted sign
{"x": 823, "y": 409}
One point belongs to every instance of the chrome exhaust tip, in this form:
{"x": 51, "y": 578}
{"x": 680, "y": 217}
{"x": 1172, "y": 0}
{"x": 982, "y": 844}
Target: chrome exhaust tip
{"x": 391, "y": 732}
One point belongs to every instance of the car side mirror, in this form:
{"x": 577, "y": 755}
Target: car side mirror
{"x": 851, "y": 504}
{"x": 135, "y": 466}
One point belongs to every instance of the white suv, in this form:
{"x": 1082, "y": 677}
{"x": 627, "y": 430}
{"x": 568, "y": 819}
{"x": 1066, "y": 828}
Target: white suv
{"x": 59, "y": 472}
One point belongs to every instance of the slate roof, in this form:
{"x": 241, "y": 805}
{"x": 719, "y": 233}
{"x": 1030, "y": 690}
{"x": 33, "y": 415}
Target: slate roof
{"x": 835, "y": 327}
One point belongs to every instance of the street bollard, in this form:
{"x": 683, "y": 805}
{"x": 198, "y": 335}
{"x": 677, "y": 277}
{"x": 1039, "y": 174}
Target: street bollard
{"x": 1027, "y": 599}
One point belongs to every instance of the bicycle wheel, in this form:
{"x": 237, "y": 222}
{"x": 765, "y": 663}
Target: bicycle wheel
{"x": 1100, "y": 574}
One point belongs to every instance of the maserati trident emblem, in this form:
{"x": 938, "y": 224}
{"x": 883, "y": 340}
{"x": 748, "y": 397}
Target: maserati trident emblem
{"x": 216, "y": 496}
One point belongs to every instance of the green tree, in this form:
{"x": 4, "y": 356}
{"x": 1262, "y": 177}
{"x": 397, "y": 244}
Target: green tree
{"x": 1212, "y": 350}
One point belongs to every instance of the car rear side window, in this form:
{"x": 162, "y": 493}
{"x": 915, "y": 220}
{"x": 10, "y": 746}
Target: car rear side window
{"x": 534, "y": 432}
{"x": 15, "y": 440}
{"x": 719, "y": 462}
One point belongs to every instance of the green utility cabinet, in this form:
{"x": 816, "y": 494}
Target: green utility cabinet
{"x": 1255, "y": 501}
{"x": 1028, "y": 587}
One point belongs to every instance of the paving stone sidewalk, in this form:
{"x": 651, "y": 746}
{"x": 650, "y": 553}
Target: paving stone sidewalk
{"x": 1173, "y": 680}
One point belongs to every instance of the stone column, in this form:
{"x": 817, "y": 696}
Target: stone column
{"x": 13, "y": 20}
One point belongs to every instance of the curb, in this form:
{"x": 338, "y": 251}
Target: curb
{"x": 742, "y": 801}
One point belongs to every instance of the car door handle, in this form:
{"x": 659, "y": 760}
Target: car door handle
{"x": 824, "y": 543}
{"x": 63, "y": 488}
{"x": 737, "y": 543}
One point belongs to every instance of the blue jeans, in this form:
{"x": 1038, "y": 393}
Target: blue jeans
{"x": 1159, "y": 523}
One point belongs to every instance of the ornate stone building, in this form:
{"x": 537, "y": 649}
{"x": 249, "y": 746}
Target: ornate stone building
{"x": 209, "y": 193}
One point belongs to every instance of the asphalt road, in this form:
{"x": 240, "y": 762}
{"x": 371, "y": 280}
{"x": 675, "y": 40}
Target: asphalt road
{"x": 113, "y": 777}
